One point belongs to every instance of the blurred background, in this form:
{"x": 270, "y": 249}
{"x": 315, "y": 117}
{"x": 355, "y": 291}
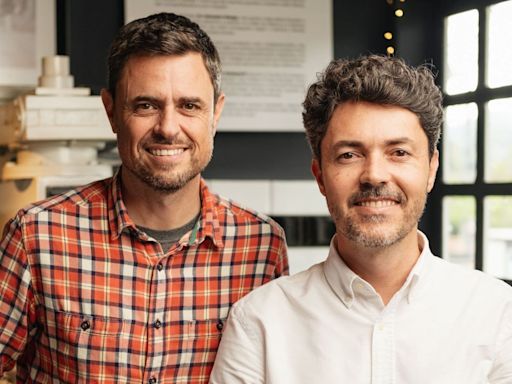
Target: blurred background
{"x": 55, "y": 136}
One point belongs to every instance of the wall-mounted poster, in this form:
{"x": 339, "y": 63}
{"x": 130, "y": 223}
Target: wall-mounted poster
{"x": 271, "y": 50}
{"x": 27, "y": 33}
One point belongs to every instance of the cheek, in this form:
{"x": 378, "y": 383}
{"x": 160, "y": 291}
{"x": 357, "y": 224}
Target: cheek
{"x": 132, "y": 131}
{"x": 414, "y": 184}
{"x": 337, "y": 188}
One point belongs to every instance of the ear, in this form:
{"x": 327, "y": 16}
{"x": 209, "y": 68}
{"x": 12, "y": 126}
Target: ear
{"x": 316, "y": 169}
{"x": 433, "y": 166}
{"x": 219, "y": 106}
{"x": 108, "y": 103}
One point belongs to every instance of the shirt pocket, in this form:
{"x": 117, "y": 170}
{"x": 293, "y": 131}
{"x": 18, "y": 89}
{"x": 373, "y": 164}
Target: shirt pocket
{"x": 95, "y": 349}
{"x": 199, "y": 341}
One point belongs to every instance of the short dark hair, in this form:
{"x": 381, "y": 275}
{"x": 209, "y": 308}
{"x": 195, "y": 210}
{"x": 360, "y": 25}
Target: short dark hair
{"x": 162, "y": 34}
{"x": 375, "y": 79}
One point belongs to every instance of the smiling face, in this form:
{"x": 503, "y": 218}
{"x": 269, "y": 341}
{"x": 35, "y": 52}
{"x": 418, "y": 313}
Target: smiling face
{"x": 375, "y": 173}
{"x": 165, "y": 120}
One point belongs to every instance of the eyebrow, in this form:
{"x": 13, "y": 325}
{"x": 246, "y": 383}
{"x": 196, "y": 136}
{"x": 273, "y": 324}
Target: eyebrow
{"x": 147, "y": 98}
{"x": 184, "y": 100}
{"x": 360, "y": 144}
{"x": 158, "y": 101}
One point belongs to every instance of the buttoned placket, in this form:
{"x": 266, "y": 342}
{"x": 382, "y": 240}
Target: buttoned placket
{"x": 156, "y": 320}
{"x": 383, "y": 350}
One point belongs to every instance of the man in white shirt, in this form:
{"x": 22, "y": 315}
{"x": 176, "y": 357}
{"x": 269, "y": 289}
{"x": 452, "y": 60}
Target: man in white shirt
{"x": 381, "y": 309}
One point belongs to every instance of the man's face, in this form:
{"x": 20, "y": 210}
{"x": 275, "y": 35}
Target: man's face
{"x": 375, "y": 173}
{"x": 165, "y": 119}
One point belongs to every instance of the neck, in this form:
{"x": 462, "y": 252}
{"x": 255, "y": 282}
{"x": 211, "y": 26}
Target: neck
{"x": 159, "y": 210}
{"x": 387, "y": 268}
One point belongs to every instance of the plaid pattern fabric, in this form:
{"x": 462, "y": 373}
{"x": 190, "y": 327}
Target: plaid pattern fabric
{"x": 85, "y": 297}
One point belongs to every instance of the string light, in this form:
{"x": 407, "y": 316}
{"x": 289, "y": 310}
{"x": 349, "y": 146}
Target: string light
{"x": 397, "y": 7}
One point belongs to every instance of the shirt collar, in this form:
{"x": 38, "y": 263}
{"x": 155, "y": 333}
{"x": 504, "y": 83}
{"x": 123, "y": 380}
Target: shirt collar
{"x": 417, "y": 277}
{"x": 207, "y": 226}
{"x": 343, "y": 280}
{"x": 118, "y": 214}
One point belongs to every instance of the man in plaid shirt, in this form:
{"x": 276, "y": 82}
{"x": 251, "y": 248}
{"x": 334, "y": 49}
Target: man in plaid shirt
{"x": 130, "y": 279}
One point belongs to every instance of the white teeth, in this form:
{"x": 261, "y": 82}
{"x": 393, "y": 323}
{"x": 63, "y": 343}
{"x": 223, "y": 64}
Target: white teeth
{"x": 166, "y": 152}
{"x": 377, "y": 203}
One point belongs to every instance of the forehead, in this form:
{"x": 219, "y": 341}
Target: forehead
{"x": 187, "y": 70}
{"x": 371, "y": 123}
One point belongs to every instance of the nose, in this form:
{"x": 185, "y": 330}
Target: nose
{"x": 168, "y": 123}
{"x": 375, "y": 171}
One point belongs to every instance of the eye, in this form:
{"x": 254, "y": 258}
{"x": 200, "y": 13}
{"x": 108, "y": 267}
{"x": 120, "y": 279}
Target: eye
{"x": 144, "y": 107}
{"x": 189, "y": 106}
{"x": 401, "y": 153}
{"x": 347, "y": 157}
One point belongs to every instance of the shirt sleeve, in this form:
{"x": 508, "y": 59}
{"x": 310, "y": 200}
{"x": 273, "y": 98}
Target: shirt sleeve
{"x": 282, "y": 268}
{"x": 501, "y": 372}
{"x": 240, "y": 358}
{"x": 16, "y": 295}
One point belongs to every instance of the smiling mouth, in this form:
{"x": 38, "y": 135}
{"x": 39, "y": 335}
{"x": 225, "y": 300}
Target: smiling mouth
{"x": 376, "y": 203}
{"x": 166, "y": 152}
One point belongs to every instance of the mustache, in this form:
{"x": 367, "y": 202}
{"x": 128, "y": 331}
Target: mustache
{"x": 159, "y": 139}
{"x": 375, "y": 192}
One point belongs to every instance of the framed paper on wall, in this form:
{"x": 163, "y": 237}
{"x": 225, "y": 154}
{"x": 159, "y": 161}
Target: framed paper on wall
{"x": 271, "y": 50}
{"x": 27, "y": 33}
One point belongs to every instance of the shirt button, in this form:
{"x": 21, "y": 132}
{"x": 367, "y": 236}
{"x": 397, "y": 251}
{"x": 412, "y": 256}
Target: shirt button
{"x": 85, "y": 325}
{"x": 152, "y": 380}
{"x": 220, "y": 325}
{"x": 157, "y": 324}
{"x": 159, "y": 266}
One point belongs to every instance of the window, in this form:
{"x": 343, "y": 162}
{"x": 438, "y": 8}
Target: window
{"x": 476, "y": 182}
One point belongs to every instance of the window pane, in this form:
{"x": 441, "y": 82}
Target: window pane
{"x": 498, "y": 141}
{"x": 459, "y": 144}
{"x": 459, "y": 226}
{"x": 461, "y": 52}
{"x": 498, "y": 236}
{"x": 499, "y": 49}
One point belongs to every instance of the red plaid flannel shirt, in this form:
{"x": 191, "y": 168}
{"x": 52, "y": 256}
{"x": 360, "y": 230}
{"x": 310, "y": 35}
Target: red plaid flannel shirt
{"x": 85, "y": 297}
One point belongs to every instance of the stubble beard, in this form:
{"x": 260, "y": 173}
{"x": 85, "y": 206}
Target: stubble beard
{"x": 173, "y": 180}
{"x": 376, "y": 231}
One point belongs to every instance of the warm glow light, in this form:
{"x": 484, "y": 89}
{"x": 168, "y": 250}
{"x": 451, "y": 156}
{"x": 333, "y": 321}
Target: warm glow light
{"x": 390, "y": 2}
{"x": 390, "y": 50}
{"x": 399, "y": 13}
{"x": 388, "y": 35}
{"x": 402, "y": 1}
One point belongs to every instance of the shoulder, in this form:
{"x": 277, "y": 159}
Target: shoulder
{"x": 281, "y": 295}
{"x": 71, "y": 201}
{"x": 471, "y": 281}
{"x": 232, "y": 212}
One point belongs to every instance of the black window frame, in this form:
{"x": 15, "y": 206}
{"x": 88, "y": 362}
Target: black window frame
{"x": 483, "y": 94}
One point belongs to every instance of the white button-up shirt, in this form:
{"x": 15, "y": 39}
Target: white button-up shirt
{"x": 446, "y": 325}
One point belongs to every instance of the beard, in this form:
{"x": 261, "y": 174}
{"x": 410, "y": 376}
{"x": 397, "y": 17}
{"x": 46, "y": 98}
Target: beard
{"x": 379, "y": 230}
{"x": 171, "y": 180}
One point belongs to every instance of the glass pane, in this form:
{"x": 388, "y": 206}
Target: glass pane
{"x": 459, "y": 144}
{"x": 461, "y": 52}
{"x": 459, "y": 228}
{"x": 498, "y": 236}
{"x": 498, "y": 141}
{"x": 499, "y": 49}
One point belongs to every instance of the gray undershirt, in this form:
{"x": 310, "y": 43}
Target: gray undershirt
{"x": 167, "y": 238}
